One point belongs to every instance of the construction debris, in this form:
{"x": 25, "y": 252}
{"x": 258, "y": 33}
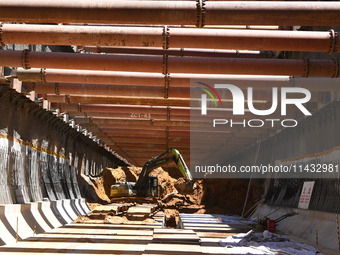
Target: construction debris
{"x": 171, "y": 218}
{"x": 265, "y": 243}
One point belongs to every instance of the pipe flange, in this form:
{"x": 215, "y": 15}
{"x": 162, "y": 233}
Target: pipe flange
{"x": 1, "y": 40}
{"x": 166, "y": 85}
{"x": 67, "y": 99}
{"x": 200, "y": 13}
{"x": 168, "y": 113}
{"x": 43, "y": 75}
{"x": 306, "y": 68}
{"x": 181, "y": 52}
{"x": 165, "y": 64}
{"x": 336, "y": 68}
{"x": 25, "y": 58}
{"x": 333, "y": 36}
{"x": 166, "y": 37}
{"x": 56, "y": 89}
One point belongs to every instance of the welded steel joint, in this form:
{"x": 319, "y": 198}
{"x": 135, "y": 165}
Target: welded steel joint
{"x": 25, "y": 59}
{"x": 67, "y": 99}
{"x": 43, "y": 75}
{"x": 200, "y": 13}
{"x": 166, "y": 76}
{"x": 333, "y": 41}
{"x": 166, "y": 37}
{"x": 1, "y": 41}
{"x": 166, "y": 85}
{"x": 168, "y": 113}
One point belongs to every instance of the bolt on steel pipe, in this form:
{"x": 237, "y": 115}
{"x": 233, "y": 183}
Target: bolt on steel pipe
{"x": 176, "y": 80}
{"x": 197, "y": 13}
{"x": 170, "y": 38}
{"x": 166, "y": 65}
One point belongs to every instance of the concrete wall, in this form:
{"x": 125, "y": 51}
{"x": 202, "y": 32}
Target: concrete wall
{"x": 41, "y": 155}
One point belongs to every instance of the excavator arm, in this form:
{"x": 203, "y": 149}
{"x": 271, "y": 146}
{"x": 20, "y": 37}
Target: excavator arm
{"x": 142, "y": 182}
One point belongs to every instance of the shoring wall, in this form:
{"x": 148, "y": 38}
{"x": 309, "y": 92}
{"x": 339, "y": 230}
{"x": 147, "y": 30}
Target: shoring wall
{"x": 41, "y": 155}
{"x": 314, "y": 134}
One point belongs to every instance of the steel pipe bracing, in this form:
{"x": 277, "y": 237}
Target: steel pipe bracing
{"x": 175, "y": 80}
{"x": 106, "y": 90}
{"x": 170, "y": 38}
{"x": 197, "y": 13}
{"x": 122, "y": 90}
{"x": 166, "y": 65}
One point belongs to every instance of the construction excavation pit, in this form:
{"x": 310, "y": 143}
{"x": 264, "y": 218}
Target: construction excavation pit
{"x": 169, "y": 127}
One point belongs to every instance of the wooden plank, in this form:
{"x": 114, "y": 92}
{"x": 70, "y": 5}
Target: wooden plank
{"x": 183, "y": 249}
{"x": 174, "y": 231}
{"x": 176, "y": 239}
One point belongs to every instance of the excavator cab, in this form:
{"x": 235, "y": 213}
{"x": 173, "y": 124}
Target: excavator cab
{"x": 147, "y": 186}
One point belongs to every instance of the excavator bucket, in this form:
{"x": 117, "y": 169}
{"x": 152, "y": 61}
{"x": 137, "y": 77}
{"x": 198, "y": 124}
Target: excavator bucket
{"x": 185, "y": 187}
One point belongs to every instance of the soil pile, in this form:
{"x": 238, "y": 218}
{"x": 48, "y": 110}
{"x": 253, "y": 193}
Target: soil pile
{"x": 92, "y": 189}
{"x": 173, "y": 193}
{"x": 166, "y": 183}
{"x": 112, "y": 176}
{"x": 219, "y": 196}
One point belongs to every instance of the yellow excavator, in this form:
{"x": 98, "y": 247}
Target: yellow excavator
{"x": 147, "y": 186}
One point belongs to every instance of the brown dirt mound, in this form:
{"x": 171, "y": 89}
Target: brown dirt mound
{"x": 92, "y": 190}
{"x": 167, "y": 185}
{"x": 165, "y": 182}
{"x": 111, "y": 176}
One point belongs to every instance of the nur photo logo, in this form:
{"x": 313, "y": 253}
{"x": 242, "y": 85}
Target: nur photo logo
{"x": 280, "y": 98}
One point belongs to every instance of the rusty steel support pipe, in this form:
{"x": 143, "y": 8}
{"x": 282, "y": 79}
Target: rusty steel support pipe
{"x": 161, "y": 123}
{"x": 139, "y": 110}
{"x": 166, "y": 65}
{"x": 127, "y": 115}
{"x": 151, "y": 101}
{"x": 118, "y": 100}
{"x": 175, "y": 38}
{"x": 122, "y": 91}
{"x": 175, "y": 80}
{"x": 106, "y": 90}
{"x": 198, "y": 13}
{"x": 171, "y": 117}
{"x": 183, "y": 52}
{"x": 138, "y": 128}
